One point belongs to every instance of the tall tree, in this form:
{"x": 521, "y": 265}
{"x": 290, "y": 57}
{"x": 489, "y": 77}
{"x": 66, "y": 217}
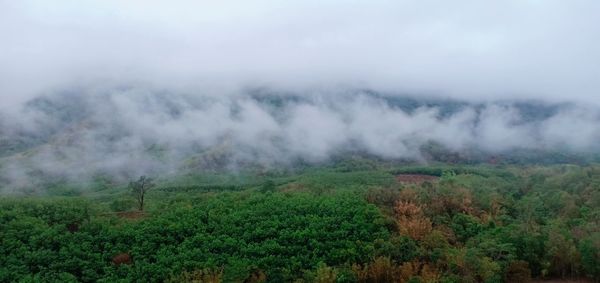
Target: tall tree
{"x": 139, "y": 189}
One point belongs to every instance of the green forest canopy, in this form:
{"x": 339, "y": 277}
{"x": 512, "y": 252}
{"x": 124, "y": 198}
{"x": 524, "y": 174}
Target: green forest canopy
{"x": 473, "y": 224}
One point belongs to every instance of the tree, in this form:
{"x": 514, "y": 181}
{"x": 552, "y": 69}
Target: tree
{"x": 139, "y": 189}
{"x": 590, "y": 256}
{"x": 562, "y": 254}
{"x": 411, "y": 221}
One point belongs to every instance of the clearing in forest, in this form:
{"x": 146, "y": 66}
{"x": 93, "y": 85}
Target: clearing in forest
{"x": 415, "y": 178}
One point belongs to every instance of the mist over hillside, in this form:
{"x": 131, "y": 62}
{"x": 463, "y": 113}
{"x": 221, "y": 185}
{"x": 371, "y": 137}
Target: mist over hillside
{"x": 126, "y": 132}
{"x": 106, "y": 87}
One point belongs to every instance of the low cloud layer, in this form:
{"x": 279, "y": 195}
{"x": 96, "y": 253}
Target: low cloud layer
{"x": 146, "y": 86}
{"x": 130, "y": 132}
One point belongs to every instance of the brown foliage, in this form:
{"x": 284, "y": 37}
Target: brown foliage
{"x": 409, "y": 195}
{"x": 451, "y": 201}
{"x": 256, "y": 276}
{"x": 384, "y": 270}
{"x": 408, "y": 270}
{"x": 122, "y": 258}
{"x": 411, "y": 221}
{"x": 415, "y": 228}
{"x": 207, "y": 275}
{"x": 408, "y": 209}
{"x": 415, "y": 178}
{"x": 430, "y": 274}
{"x": 381, "y": 270}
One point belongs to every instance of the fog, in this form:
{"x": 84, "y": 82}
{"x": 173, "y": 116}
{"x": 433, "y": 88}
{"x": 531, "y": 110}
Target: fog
{"x": 464, "y": 49}
{"x": 131, "y": 131}
{"x": 142, "y": 87}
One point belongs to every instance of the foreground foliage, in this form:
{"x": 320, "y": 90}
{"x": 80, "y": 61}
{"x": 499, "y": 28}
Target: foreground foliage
{"x": 473, "y": 224}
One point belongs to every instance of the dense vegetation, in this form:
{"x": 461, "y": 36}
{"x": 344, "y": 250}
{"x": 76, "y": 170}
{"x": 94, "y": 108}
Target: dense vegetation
{"x": 349, "y": 223}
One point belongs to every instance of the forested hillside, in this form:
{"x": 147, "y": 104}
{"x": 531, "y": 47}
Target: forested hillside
{"x": 78, "y": 135}
{"x": 357, "y": 221}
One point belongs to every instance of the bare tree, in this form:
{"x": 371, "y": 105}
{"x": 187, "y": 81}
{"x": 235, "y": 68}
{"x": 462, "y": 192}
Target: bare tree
{"x": 139, "y": 189}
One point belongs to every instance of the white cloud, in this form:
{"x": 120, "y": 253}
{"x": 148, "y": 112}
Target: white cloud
{"x": 464, "y": 49}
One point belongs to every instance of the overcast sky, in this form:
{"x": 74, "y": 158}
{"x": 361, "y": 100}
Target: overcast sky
{"x": 463, "y": 49}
